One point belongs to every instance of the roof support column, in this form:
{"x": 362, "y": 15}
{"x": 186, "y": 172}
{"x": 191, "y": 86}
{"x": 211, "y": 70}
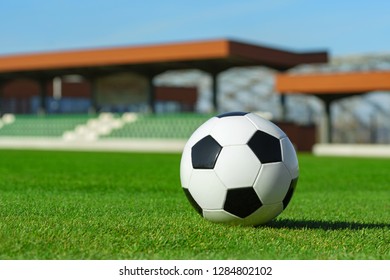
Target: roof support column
{"x": 151, "y": 94}
{"x": 93, "y": 107}
{"x": 42, "y": 96}
{"x": 283, "y": 107}
{"x": 214, "y": 91}
{"x": 283, "y": 104}
{"x": 328, "y": 120}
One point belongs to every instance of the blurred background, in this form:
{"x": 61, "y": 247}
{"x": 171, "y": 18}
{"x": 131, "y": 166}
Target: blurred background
{"x": 354, "y": 34}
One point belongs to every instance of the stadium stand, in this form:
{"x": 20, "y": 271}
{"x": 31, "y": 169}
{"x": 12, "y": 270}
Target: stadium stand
{"x": 39, "y": 126}
{"x": 174, "y": 126}
{"x": 104, "y": 125}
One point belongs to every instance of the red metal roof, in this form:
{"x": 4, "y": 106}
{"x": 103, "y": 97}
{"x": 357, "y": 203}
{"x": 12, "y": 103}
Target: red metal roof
{"x": 333, "y": 83}
{"x": 212, "y": 56}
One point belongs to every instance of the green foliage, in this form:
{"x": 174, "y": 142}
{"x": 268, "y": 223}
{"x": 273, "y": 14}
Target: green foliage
{"x": 85, "y": 205}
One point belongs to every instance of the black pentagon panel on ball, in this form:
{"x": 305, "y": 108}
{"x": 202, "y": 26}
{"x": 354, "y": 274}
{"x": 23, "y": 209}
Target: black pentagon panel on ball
{"x": 290, "y": 192}
{"x": 205, "y": 153}
{"x": 231, "y": 114}
{"x": 193, "y": 202}
{"x": 266, "y": 147}
{"x": 242, "y": 202}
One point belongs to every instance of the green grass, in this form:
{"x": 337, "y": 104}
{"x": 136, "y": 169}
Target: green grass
{"x": 75, "y": 205}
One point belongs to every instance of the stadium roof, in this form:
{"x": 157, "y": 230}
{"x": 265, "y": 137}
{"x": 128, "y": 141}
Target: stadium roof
{"x": 212, "y": 56}
{"x": 333, "y": 84}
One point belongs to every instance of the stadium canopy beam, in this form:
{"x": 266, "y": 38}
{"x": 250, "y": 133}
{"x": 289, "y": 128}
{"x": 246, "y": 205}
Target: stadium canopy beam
{"x": 211, "y": 56}
{"x": 332, "y": 86}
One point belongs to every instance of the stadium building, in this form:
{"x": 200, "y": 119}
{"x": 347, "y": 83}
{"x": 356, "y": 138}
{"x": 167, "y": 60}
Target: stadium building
{"x": 74, "y": 87}
{"x": 121, "y": 79}
{"x": 85, "y": 83}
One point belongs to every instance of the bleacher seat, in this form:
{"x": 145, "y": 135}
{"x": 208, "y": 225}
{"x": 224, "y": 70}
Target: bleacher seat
{"x": 41, "y": 126}
{"x": 105, "y": 125}
{"x": 174, "y": 126}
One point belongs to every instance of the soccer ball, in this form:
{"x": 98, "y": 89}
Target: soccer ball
{"x": 239, "y": 168}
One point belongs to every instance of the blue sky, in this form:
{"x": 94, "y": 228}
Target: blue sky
{"x": 340, "y": 27}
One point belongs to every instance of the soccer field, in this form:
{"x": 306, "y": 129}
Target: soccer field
{"x": 87, "y": 205}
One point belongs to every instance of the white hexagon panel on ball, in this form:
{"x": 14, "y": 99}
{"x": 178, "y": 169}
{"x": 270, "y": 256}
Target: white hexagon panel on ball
{"x": 237, "y": 166}
{"x": 273, "y": 182}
